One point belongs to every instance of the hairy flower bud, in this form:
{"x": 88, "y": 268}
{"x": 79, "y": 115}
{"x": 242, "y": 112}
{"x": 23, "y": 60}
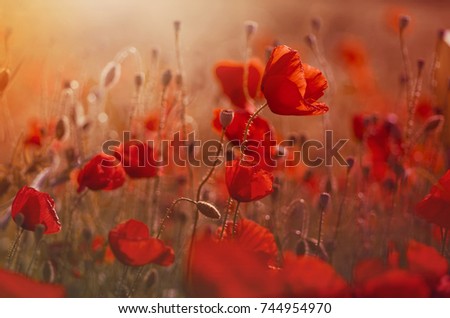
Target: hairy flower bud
{"x": 226, "y": 118}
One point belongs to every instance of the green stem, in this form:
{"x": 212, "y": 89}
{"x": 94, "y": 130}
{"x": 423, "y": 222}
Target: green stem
{"x": 225, "y": 217}
{"x": 236, "y": 212}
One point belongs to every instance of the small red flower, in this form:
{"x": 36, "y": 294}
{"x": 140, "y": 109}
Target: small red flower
{"x": 138, "y": 159}
{"x": 13, "y": 285}
{"x": 247, "y": 181}
{"x": 308, "y": 276}
{"x": 254, "y": 238}
{"x": 292, "y": 87}
{"x": 37, "y": 208}
{"x": 394, "y": 283}
{"x": 132, "y": 245}
{"x": 231, "y": 77}
{"x": 102, "y": 172}
{"x": 435, "y": 206}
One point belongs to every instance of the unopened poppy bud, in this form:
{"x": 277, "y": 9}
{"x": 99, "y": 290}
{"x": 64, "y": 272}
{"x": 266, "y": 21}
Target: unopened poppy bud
{"x": 139, "y": 79}
{"x": 177, "y": 25}
{"x": 250, "y": 28}
{"x": 48, "y": 272}
{"x": 316, "y": 24}
{"x": 208, "y": 210}
{"x": 19, "y": 219}
{"x": 110, "y": 75}
{"x": 420, "y": 65}
{"x": 226, "y": 117}
{"x": 179, "y": 80}
{"x": 4, "y": 79}
{"x": 166, "y": 78}
{"x": 150, "y": 278}
{"x": 350, "y": 163}
{"x": 310, "y": 40}
{"x": 323, "y": 200}
{"x": 86, "y": 234}
{"x": 155, "y": 53}
{"x": 4, "y": 185}
{"x": 403, "y": 22}
{"x": 39, "y": 232}
{"x": 433, "y": 123}
{"x": 61, "y": 129}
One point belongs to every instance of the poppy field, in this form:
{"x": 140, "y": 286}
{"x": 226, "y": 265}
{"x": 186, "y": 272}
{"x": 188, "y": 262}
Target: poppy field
{"x": 293, "y": 150}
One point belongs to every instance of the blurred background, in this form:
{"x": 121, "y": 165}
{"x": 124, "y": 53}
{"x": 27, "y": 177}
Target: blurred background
{"x": 57, "y": 40}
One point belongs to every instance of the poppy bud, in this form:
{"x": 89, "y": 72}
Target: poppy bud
{"x": 177, "y": 25}
{"x": 4, "y": 185}
{"x": 350, "y": 163}
{"x": 110, "y": 75}
{"x": 166, "y": 78}
{"x": 323, "y": 200}
{"x": 420, "y": 65}
{"x": 155, "y": 53}
{"x": 250, "y": 28}
{"x": 61, "y": 128}
{"x": 179, "y": 80}
{"x": 302, "y": 248}
{"x": 310, "y": 40}
{"x": 433, "y": 123}
{"x": 226, "y": 118}
{"x": 403, "y": 22}
{"x": 86, "y": 234}
{"x": 139, "y": 79}
{"x": 19, "y": 219}
{"x": 4, "y": 79}
{"x": 316, "y": 24}
{"x": 208, "y": 210}
{"x": 48, "y": 272}
{"x": 39, "y": 232}
{"x": 150, "y": 278}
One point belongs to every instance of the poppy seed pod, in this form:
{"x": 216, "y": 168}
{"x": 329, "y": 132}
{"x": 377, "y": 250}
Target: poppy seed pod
{"x": 110, "y": 75}
{"x": 61, "y": 130}
{"x": 350, "y": 163}
{"x": 226, "y": 117}
{"x": 208, "y": 210}
{"x": 433, "y": 123}
{"x": 177, "y": 25}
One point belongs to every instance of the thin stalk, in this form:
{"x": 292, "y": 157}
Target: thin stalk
{"x": 250, "y": 121}
{"x": 169, "y": 212}
{"x": 444, "y": 233}
{"x": 236, "y": 212}
{"x": 225, "y": 217}
{"x": 319, "y": 235}
{"x": 14, "y": 247}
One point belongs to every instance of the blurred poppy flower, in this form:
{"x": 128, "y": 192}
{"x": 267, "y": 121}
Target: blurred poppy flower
{"x": 226, "y": 269}
{"x": 35, "y": 134}
{"x": 102, "y": 172}
{"x": 132, "y": 245}
{"x": 394, "y": 283}
{"x": 292, "y": 87}
{"x": 426, "y": 261}
{"x": 14, "y": 285}
{"x": 231, "y": 77}
{"x": 255, "y": 238}
{"x": 37, "y": 208}
{"x": 247, "y": 181}
{"x": 435, "y": 206}
{"x": 138, "y": 159}
{"x": 309, "y": 276}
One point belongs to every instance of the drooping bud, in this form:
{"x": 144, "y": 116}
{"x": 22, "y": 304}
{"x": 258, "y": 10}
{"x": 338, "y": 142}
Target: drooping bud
{"x": 433, "y": 123}
{"x": 110, "y": 75}
{"x": 420, "y": 65}
{"x": 48, "y": 272}
{"x": 226, "y": 118}
{"x": 316, "y": 24}
{"x": 139, "y": 79}
{"x": 350, "y": 163}
{"x": 208, "y": 210}
{"x": 150, "y": 278}
{"x": 61, "y": 129}
{"x": 310, "y": 40}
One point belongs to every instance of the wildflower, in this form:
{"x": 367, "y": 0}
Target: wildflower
{"x": 247, "y": 181}
{"x": 434, "y": 207}
{"x": 102, "y": 172}
{"x": 36, "y": 208}
{"x": 292, "y": 87}
{"x": 231, "y": 77}
{"x": 16, "y": 285}
{"x": 138, "y": 159}
{"x": 132, "y": 245}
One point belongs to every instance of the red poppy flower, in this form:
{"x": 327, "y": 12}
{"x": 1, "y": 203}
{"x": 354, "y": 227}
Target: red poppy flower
{"x": 13, "y": 285}
{"x": 308, "y": 276}
{"x": 426, "y": 261}
{"x": 138, "y": 159}
{"x": 247, "y": 181}
{"x": 132, "y": 245}
{"x": 37, "y": 208}
{"x": 102, "y": 172}
{"x": 231, "y": 77}
{"x": 226, "y": 269}
{"x": 395, "y": 283}
{"x": 292, "y": 87}
{"x": 434, "y": 207}
{"x": 255, "y": 238}
{"x": 35, "y": 134}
